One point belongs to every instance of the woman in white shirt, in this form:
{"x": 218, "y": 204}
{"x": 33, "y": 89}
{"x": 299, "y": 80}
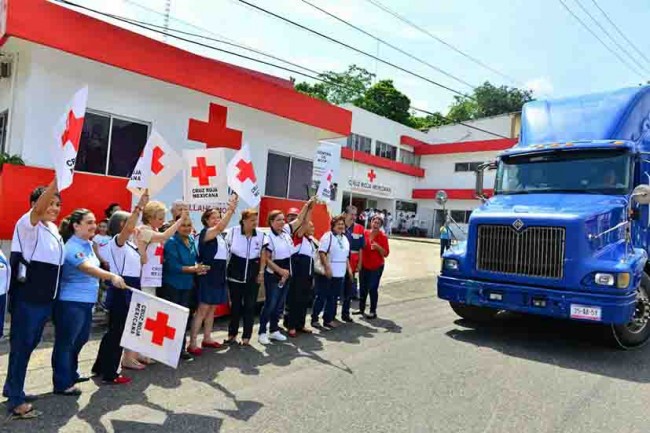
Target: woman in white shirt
{"x": 334, "y": 253}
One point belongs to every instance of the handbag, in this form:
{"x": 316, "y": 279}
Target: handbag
{"x": 319, "y": 268}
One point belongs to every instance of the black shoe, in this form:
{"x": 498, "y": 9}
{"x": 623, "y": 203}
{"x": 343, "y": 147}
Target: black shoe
{"x": 358, "y": 313}
{"x": 72, "y": 392}
{"x": 186, "y": 356}
{"x": 82, "y": 380}
{"x": 371, "y": 316}
{"x": 30, "y": 398}
{"x": 348, "y": 319}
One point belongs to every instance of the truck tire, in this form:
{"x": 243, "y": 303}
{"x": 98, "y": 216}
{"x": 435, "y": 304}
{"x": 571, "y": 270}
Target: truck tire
{"x": 473, "y": 313}
{"x": 637, "y": 332}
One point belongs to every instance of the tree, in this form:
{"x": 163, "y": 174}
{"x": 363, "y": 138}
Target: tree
{"x": 488, "y": 100}
{"x": 339, "y": 87}
{"x": 385, "y": 100}
{"x": 429, "y": 121}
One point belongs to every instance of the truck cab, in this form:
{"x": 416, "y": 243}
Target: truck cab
{"x": 566, "y": 233}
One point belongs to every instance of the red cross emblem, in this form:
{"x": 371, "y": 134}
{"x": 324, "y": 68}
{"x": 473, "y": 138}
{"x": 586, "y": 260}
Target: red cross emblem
{"x": 72, "y": 133}
{"x": 214, "y": 132}
{"x": 329, "y": 177}
{"x": 203, "y": 171}
{"x": 159, "y": 252}
{"x": 246, "y": 171}
{"x": 156, "y": 165}
{"x": 371, "y": 175}
{"x": 159, "y": 328}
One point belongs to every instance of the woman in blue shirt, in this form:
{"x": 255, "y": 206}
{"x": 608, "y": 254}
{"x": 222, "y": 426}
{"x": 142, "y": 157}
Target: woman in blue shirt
{"x": 80, "y": 275}
{"x": 213, "y": 252}
{"x": 179, "y": 268}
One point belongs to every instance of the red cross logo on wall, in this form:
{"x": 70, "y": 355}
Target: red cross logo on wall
{"x": 371, "y": 175}
{"x": 159, "y": 328}
{"x": 203, "y": 172}
{"x": 214, "y": 132}
{"x": 246, "y": 171}
{"x": 159, "y": 252}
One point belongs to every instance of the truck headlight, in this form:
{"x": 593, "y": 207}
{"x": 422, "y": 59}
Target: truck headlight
{"x": 623, "y": 280}
{"x": 450, "y": 264}
{"x": 604, "y": 279}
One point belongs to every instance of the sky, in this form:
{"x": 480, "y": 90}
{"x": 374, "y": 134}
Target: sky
{"x": 537, "y": 44}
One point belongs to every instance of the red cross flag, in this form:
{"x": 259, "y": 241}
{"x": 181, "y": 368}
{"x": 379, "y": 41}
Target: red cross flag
{"x": 205, "y": 177}
{"x": 67, "y": 134}
{"x": 241, "y": 177}
{"x": 157, "y": 165}
{"x": 155, "y": 328}
{"x": 324, "y": 191}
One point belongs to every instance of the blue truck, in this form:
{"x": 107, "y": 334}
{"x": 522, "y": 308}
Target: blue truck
{"x": 566, "y": 231}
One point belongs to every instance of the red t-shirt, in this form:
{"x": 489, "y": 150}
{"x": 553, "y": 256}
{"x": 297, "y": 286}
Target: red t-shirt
{"x": 371, "y": 259}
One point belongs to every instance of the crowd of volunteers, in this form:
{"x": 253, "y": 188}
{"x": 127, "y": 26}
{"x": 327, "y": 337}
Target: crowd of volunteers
{"x": 55, "y": 273}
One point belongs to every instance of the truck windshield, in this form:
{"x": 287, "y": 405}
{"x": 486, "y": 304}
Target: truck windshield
{"x": 579, "y": 171}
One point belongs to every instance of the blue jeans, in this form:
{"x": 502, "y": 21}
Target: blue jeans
{"x": 370, "y": 286}
{"x": 72, "y": 321}
{"x": 327, "y": 292}
{"x": 3, "y": 307}
{"x": 273, "y": 304}
{"x": 27, "y": 323}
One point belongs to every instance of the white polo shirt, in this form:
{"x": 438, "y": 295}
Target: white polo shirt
{"x": 337, "y": 248}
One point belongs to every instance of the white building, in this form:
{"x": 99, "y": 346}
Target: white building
{"x": 137, "y": 83}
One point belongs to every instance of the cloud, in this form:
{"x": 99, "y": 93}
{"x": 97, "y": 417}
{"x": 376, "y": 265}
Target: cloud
{"x": 541, "y": 86}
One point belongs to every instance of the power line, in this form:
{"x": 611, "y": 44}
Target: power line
{"x": 604, "y": 30}
{"x": 372, "y": 56}
{"x": 388, "y": 44}
{"x": 599, "y": 39}
{"x": 618, "y": 30}
{"x": 145, "y": 26}
{"x": 440, "y": 40}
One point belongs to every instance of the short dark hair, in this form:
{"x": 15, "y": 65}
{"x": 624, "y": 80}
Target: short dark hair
{"x": 336, "y": 219}
{"x": 38, "y": 192}
{"x": 110, "y": 209}
{"x": 207, "y": 214}
{"x": 350, "y": 209}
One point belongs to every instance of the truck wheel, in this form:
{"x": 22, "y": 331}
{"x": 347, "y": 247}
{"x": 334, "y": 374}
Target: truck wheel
{"x": 473, "y": 313}
{"x": 637, "y": 332}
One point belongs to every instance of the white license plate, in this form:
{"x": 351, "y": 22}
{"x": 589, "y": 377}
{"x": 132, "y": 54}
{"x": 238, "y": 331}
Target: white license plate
{"x": 584, "y": 312}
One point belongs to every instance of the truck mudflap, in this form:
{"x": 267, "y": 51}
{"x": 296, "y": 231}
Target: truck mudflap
{"x": 564, "y": 304}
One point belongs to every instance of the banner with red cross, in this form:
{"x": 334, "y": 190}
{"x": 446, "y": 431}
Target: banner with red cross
{"x": 242, "y": 178}
{"x": 205, "y": 179}
{"x": 67, "y": 135}
{"x": 156, "y": 167}
{"x": 155, "y": 328}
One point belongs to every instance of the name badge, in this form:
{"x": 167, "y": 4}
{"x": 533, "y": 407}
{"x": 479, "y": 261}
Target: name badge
{"x": 356, "y": 236}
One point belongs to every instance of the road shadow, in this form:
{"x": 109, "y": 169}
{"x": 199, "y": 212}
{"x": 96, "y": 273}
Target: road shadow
{"x": 566, "y": 344}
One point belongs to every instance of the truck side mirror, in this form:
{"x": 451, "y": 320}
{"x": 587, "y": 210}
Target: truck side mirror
{"x": 641, "y": 194}
{"x": 478, "y": 190}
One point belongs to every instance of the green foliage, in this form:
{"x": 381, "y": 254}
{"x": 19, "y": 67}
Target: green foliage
{"x": 5, "y": 158}
{"x": 489, "y": 100}
{"x": 385, "y": 100}
{"x": 339, "y": 87}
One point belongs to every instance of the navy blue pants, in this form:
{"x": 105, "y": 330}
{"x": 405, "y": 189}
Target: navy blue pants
{"x": 3, "y": 307}
{"x": 348, "y": 291}
{"x": 110, "y": 351}
{"x": 27, "y": 323}
{"x": 370, "y": 286}
{"x": 72, "y": 322}
{"x": 274, "y": 301}
{"x": 327, "y": 292}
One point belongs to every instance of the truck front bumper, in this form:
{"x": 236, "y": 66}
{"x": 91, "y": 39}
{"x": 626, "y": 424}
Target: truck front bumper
{"x": 616, "y": 309}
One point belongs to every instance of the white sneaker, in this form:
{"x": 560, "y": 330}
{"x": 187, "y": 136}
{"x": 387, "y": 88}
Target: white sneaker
{"x": 277, "y": 336}
{"x": 264, "y": 339}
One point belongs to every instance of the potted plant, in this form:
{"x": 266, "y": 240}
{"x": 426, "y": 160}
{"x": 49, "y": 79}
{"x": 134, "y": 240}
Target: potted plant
{"x": 5, "y": 158}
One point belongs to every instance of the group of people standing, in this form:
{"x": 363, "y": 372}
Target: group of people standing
{"x": 55, "y": 273}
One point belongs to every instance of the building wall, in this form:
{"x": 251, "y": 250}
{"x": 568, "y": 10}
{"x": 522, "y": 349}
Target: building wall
{"x": 501, "y": 125}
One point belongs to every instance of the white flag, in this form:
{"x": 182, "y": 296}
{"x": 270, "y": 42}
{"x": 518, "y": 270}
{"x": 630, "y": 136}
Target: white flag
{"x": 326, "y": 167}
{"x": 155, "y": 328}
{"x": 157, "y": 165}
{"x": 67, "y": 134}
{"x": 241, "y": 177}
{"x": 205, "y": 179}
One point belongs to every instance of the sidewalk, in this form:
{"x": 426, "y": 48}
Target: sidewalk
{"x": 414, "y": 239}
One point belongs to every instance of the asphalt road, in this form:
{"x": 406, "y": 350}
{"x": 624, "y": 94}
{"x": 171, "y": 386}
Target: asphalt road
{"x": 416, "y": 369}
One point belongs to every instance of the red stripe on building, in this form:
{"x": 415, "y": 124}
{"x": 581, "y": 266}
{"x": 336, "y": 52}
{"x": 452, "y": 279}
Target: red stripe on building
{"x": 455, "y": 194}
{"x": 422, "y": 148}
{"x": 58, "y": 27}
{"x": 380, "y": 162}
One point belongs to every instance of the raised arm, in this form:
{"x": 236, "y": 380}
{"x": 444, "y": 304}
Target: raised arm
{"x": 162, "y": 237}
{"x": 43, "y": 202}
{"x": 130, "y": 224}
{"x": 300, "y": 231}
{"x": 213, "y": 232}
{"x": 300, "y": 219}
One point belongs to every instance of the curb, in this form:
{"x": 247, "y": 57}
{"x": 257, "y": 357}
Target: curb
{"x": 419, "y": 240}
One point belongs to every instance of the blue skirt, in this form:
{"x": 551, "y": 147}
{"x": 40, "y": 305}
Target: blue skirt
{"x": 212, "y": 286}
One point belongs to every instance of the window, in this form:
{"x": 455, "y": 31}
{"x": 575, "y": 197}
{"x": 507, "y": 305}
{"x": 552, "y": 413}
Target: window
{"x": 359, "y": 142}
{"x": 385, "y": 150}
{"x": 460, "y": 216}
{"x": 110, "y": 145}
{"x": 410, "y": 158}
{"x": 467, "y": 166}
{"x": 4, "y": 117}
{"x": 296, "y": 184}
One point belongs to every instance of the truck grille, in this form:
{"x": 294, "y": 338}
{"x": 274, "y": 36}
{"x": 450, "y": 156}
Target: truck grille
{"x": 533, "y": 251}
